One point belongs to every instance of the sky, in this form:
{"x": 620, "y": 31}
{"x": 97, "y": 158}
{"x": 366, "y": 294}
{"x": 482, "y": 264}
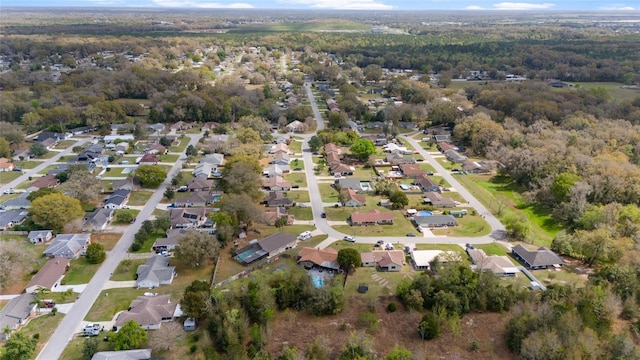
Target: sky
{"x": 479, "y": 5}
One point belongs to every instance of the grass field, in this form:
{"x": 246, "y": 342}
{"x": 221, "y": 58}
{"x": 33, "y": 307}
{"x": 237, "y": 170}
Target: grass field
{"x": 139, "y": 198}
{"x": 127, "y": 272}
{"x": 111, "y": 301}
{"x": 47, "y": 169}
{"x": 8, "y": 176}
{"x": 296, "y": 147}
{"x": 401, "y": 226}
{"x": 133, "y": 213}
{"x": 493, "y": 249}
{"x": 80, "y": 272}
{"x": 614, "y": 89}
{"x": 298, "y": 196}
{"x": 322, "y": 25}
{"x": 328, "y": 193}
{"x": 109, "y": 240}
{"x": 172, "y": 158}
{"x": 27, "y": 164}
{"x": 469, "y": 225}
{"x": 301, "y": 213}
{"x": 43, "y": 325}
{"x": 181, "y": 146}
{"x": 296, "y": 178}
{"x": 64, "y": 144}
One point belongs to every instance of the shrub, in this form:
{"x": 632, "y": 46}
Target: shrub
{"x": 193, "y": 348}
{"x": 392, "y": 307}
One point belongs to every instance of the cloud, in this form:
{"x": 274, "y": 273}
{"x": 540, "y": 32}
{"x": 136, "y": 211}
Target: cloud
{"x": 521, "y": 6}
{"x": 616, "y": 7}
{"x": 341, "y": 4}
{"x": 473, "y": 7}
{"x": 198, "y": 4}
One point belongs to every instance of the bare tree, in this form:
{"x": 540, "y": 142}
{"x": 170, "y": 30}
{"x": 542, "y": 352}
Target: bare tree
{"x": 168, "y": 336}
{"x": 197, "y": 248}
{"x": 13, "y": 262}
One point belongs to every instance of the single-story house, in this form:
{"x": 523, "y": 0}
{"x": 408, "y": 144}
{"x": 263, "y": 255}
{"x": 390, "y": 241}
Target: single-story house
{"x": 277, "y": 243}
{"x": 188, "y": 218}
{"x": 40, "y": 236}
{"x": 195, "y": 199}
{"x": 181, "y": 125}
{"x": 155, "y": 127}
{"x": 295, "y": 125}
{"x": 157, "y": 149}
{"x": 333, "y": 158}
{"x": 155, "y": 272}
{"x": 542, "y": 258}
{"x": 326, "y": 258}
{"x": 47, "y": 181}
{"x": 148, "y": 159}
{"x": 49, "y": 276}
{"x": 213, "y": 159}
{"x": 199, "y": 184}
{"x": 18, "y": 203}
{"x": 397, "y": 158}
{"x": 170, "y": 242}
{"x": 117, "y": 200}
{"x": 421, "y": 259}
{"x": 435, "y": 221}
{"x": 446, "y": 138}
{"x": 341, "y": 169}
{"x": 411, "y": 171}
{"x": 6, "y": 165}
{"x": 11, "y": 218}
{"x": 349, "y": 183}
{"x": 16, "y": 313}
{"x": 385, "y": 260}
{"x": 276, "y": 170}
{"x": 353, "y": 199}
{"x": 278, "y": 199}
{"x": 130, "y": 183}
{"x": 274, "y": 213}
{"x": 371, "y": 218}
{"x": 68, "y": 246}
{"x": 149, "y": 312}
{"x": 204, "y": 170}
{"x": 426, "y": 184}
{"x": 49, "y": 135}
{"x": 498, "y": 265}
{"x": 281, "y": 158}
{"x": 437, "y": 200}
{"x": 280, "y": 147}
{"x": 276, "y": 183}
{"x": 331, "y": 147}
{"x": 454, "y": 156}
{"x": 97, "y": 220}
{"x": 136, "y": 354}
{"x": 445, "y": 146}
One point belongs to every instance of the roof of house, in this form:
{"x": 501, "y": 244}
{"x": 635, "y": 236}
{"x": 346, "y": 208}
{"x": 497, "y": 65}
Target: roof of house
{"x": 438, "y": 200}
{"x": 331, "y": 147}
{"x": 172, "y": 239}
{"x": 6, "y": 163}
{"x": 341, "y": 168}
{"x": 277, "y": 181}
{"x": 45, "y": 181}
{"x": 281, "y": 156}
{"x": 374, "y": 216}
{"x": 148, "y": 310}
{"x": 137, "y": 354}
{"x": 67, "y": 245}
{"x": 327, "y": 257}
{"x": 276, "y": 169}
{"x": 280, "y": 147}
{"x": 435, "y": 220}
{"x": 333, "y": 158}
{"x": 454, "y": 155}
{"x": 540, "y": 257}
{"x": 203, "y": 169}
{"x": 386, "y": 257}
{"x": 156, "y": 270}
{"x": 115, "y": 199}
{"x": 199, "y": 183}
{"x": 351, "y": 195}
{"x": 445, "y": 146}
{"x": 494, "y": 263}
{"x": 16, "y": 310}
{"x": 35, "y": 234}
{"x": 422, "y": 258}
{"x": 149, "y": 158}
{"x": 367, "y": 258}
{"x": 425, "y": 181}
{"x": 98, "y": 217}
{"x": 20, "y": 202}
{"x": 194, "y": 197}
{"x": 276, "y": 241}
{"x": 49, "y": 273}
{"x": 213, "y": 159}
{"x": 12, "y": 216}
{"x": 411, "y": 169}
{"x": 128, "y": 183}
{"x": 349, "y": 183}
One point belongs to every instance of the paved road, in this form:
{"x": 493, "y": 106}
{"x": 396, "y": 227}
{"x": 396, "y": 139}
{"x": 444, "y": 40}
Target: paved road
{"x": 34, "y": 172}
{"x": 72, "y": 323}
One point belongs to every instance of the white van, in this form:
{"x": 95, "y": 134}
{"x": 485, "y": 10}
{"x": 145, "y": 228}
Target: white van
{"x": 305, "y": 235}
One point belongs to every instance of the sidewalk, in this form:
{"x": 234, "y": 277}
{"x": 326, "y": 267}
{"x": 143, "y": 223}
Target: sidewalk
{"x": 119, "y": 284}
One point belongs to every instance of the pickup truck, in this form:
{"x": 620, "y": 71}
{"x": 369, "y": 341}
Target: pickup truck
{"x": 92, "y": 330}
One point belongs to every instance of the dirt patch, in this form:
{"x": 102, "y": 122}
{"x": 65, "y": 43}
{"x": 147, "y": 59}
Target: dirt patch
{"x": 486, "y": 329}
{"x": 109, "y": 240}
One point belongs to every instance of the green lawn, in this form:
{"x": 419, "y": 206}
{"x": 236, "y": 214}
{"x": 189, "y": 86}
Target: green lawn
{"x": 46, "y": 169}
{"x": 298, "y": 196}
{"x": 328, "y": 193}
{"x": 617, "y": 93}
{"x": 8, "y": 176}
{"x": 468, "y": 225}
{"x": 401, "y": 226}
{"x": 172, "y": 158}
{"x": 493, "y": 249}
{"x": 111, "y": 301}
{"x": 80, "y": 272}
{"x": 115, "y": 172}
{"x": 64, "y": 144}
{"x": 301, "y": 213}
{"x": 443, "y": 247}
{"x": 146, "y": 246}
{"x": 296, "y": 146}
{"x": 363, "y": 275}
{"x": 446, "y": 163}
{"x": 43, "y": 325}
{"x": 49, "y": 155}
{"x": 27, "y": 164}
{"x": 502, "y": 199}
{"x": 297, "y": 178}
{"x": 364, "y": 174}
{"x": 139, "y": 198}
{"x": 109, "y": 240}
{"x": 125, "y": 273}
{"x": 295, "y": 163}
{"x": 133, "y": 213}
{"x": 181, "y": 146}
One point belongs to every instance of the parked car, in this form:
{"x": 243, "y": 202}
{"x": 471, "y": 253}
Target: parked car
{"x": 349, "y": 238}
{"x": 380, "y": 242}
{"x": 49, "y": 304}
{"x": 92, "y": 330}
{"x": 295, "y": 186}
{"x": 297, "y": 169}
{"x": 10, "y": 191}
{"x": 323, "y": 215}
{"x": 182, "y": 188}
{"x": 126, "y": 207}
{"x": 303, "y": 205}
{"x": 17, "y": 169}
{"x": 430, "y": 173}
{"x": 419, "y": 159}
{"x": 411, "y": 235}
{"x": 172, "y": 206}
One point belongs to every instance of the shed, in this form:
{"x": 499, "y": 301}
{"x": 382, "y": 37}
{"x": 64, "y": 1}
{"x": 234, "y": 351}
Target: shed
{"x": 189, "y": 324}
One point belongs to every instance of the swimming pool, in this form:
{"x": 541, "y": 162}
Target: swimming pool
{"x": 424, "y": 213}
{"x": 317, "y": 281}
{"x": 405, "y": 187}
{"x": 246, "y": 254}
{"x": 365, "y": 186}
{"x": 127, "y": 170}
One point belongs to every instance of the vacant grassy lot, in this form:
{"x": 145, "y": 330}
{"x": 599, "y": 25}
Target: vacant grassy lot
{"x": 328, "y": 193}
{"x": 126, "y": 272}
{"x": 300, "y": 213}
{"x": 469, "y": 225}
{"x": 111, "y": 301}
{"x": 109, "y": 240}
{"x": 80, "y": 272}
{"x": 8, "y": 176}
{"x": 49, "y": 155}
{"x": 501, "y": 197}
{"x": 172, "y": 158}
{"x": 139, "y": 198}
{"x": 43, "y": 325}
{"x": 27, "y": 164}
{"x": 181, "y": 146}
{"x": 296, "y": 147}
{"x": 493, "y": 249}
{"x": 298, "y": 195}
{"x": 146, "y": 246}
{"x": 46, "y": 170}
{"x": 132, "y": 212}
{"x": 296, "y": 178}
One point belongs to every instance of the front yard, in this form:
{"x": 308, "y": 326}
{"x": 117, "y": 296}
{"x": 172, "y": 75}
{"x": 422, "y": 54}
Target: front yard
{"x": 297, "y": 178}
{"x": 468, "y": 225}
{"x": 127, "y": 270}
{"x": 298, "y": 196}
{"x": 139, "y": 198}
{"x": 401, "y": 226}
{"x": 80, "y": 272}
{"x": 300, "y": 213}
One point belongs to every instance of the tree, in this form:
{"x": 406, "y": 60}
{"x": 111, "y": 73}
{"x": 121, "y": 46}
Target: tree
{"x": 5, "y": 150}
{"x": 242, "y": 175}
{"x": 336, "y": 120}
{"x": 20, "y": 346}
{"x": 399, "y": 199}
{"x": 165, "y": 142}
{"x": 428, "y": 327}
{"x": 362, "y": 149}
{"x": 130, "y": 336}
{"x": 169, "y": 193}
{"x": 42, "y": 192}
{"x": 224, "y": 226}
{"x": 562, "y": 184}
{"x": 315, "y": 143}
{"x": 349, "y": 259}
{"x": 37, "y": 150}
{"x": 55, "y": 210}
{"x": 194, "y": 304}
{"x": 399, "y": 353}
{"x": 191, "y": 151}
{"x": 89, "y": 347}
{"x": 281, "y": 222}
{"x": 169, "y": 335}
{"x": 96, "y": 253}
{"x": 151, "y": 176}
{"x": 13, "y": 261}
{"x": 124, "y": 217}
{"x": 81, "y": 184}
{"x": 197, "y": 248}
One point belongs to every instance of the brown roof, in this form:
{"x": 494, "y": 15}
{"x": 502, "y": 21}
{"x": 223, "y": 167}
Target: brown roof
{"x": 333, "y": 158}
{"x": 411, "y": 170}
{"x": 45, "y": 181}
{"x": 5, "y": 163}
{"x": 340, "y": 167}
{"x": 327, "y": 257}
{"x": 331, "y": 147}
{"x": 444, "y": 146}
{"x": 274, "y": 213}
{"x": 277, "y": 241}
{"x": 280, "y": 147}
{"x": 148, "y": 310}
{"x": 384, "y": 257}
{"x": 276, "y": 181}
{"x": 424, "y": 181}
{"x": 373, "y": 216}
{"x": 149, "y": 158}
{"x": 50, "y": 273}
{"x": 352, "y": 195}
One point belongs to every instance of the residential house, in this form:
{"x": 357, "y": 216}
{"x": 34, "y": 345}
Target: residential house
{"x": 371, "y": 218}
{"x": 155, "y": 272}
{"x": 455, "y": 156}
{"x": 188, "y": 218}
{"x": 422, "y": 259}
{"x": 16, "y": 313}
{"x": 121, "y": 148}
{"x": 411, "y": 171}
{"x": 445, "y": 138}
{"x": 155, "y": 127}
{"x": 281, "y": 158}
{"x": 385, "y": 260}
{"x": 295, "y": 126}
{"x": 149, "y": 312}
{"x": 325, "y": 259}
{"x": 21, "y": 155}
{"x": 40, "y": 236}
{"x": 332, "y": 148}
{"x": 156, "y": 137}
{"x": 333, "y": 158}
{"x": 213, "y": 159}
{"x": 48, "y": 135}
{"x": 350, "y": 183}
{"x": 341, "y": 169}
{"x": 157, "y": 149}
{"x": 280, "y": 147}
{"x": 277, "y": 243}
{"x": 276, "y": 183}
{"x": 353, "y": 199}
{"x": 148, "y": 159}
{"x": 68, "y": 246}
{"x": 203, "y": 171}
{"x": 47, "y": 181}
{"x": 49, "y": 143}
{"x": 97, "y": 220}
{"x": 197, "y": 199}
{"x": 437, "y": 200}
{"x": 18, "y": 203}
{"x": 445, "y": 146}
{"x": 136, "y": 354}
{"x": 11, "y": 218}
{"x": 426, "y": 184}
{"x": 479, "y": 167}
{"x": 276, "y": 170}
{"x": 397, "y": 158}
{"x": 210, "y": 125}
{"x": 171, "y": 242}
{"x": 274, "y": 213}
{"x": 181, "y": 125}
{"x": 435, "y": 221}
{"x": 219, "y": 143}
{"x": 6, "y": 165}
{"x": 278, "y": 199}
{"x": 542, "y": 258}
{"x": 199, "y": 184}
{"x": 81, "y": 130}
{"x": 395, "y": 148}
{"x": 49, "y": 276}
{"x": 498, "y": 265}
{"x": 130, "y": 183}
{"x": 117, "y": 200}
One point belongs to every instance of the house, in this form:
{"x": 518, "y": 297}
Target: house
{"x": 21, "y": 155}
{"x": 16, "y": 313}
{"x": 455, "y": 156}
{"x": 276, "y": 170}
{"x": 350, "y": 183}
{"x": 352, "y": 199}
{"x": 48, "y": 135}
{"x": 278, "y": 199}
{"x": 40, "y": 236}
{"x": 411, "y": 171}
{"x": 49, "y": 143}
{"x": 385, "y": 260}
{"x": 426, "y": 184}
{"x": 117, "y": 200}
{"x": 155, "y": 127}
{"x": 136, "y": 354}
{"x": 435, "y": 221}
{"x": 47, "y": 181}
{"x": 276, "y": 183}
{"x": 498, "y": 265}
{"x": 155, "y": 272}
{"x": 444, "y": 138}
{"x": 421, "y": 259}
{"x": 181, "y": 125}
{"x": 295, "y": 125}
{"x": 130, "y": 183}
{"x": 437, "y": 200}
{"x": 479, "y": 167}
{"x": 341, "y": 169}
{"x": 11, "y": 218}
{"x": 277, "y": 243}
{"x": 148, "y": 159}
{"x": 188, "y": 218}
{"x": 157, "y": 149}
{"x": 49, "y": 276}
{"x": 380, "y": 141}
{"x": 154, "y": 137}
{"x": 149, "y": 312}
{"x": 68, "y": 246}
{"x": 281, "y": 158}
{"x": 19, "y": 203}
{"x": 371, "y": 218}
{"x": 6, "y": 165}
{"x": 333, "y": 158}
{"x": 332, "y": 148}
{"x": 445, "y": 146}
{"x": 397, "y": 158}
{"x": 280, "y": 147}
{"x": 213, "y": 159}
{"x": 210, "y": 125}
{"x": 203, "y": 171}
{"x": 326, "y": 259}
{"x": 272, "y": 214}
{"x": 122, "y": 147}
{"x": 171, "y": 242}
{"x": 196, "y": 199}
{"x": 97, "y": 220}
{"x": 199, "y": 184}
{"x": 542, "y": 258}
